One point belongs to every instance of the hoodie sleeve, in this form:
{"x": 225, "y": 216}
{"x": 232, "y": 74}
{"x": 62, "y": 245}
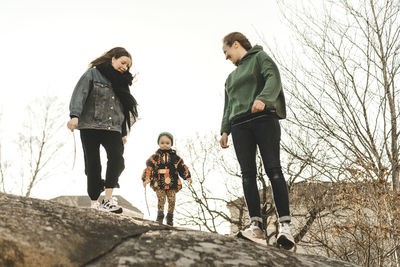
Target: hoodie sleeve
{"x": 272, "y": 79}
{"x": 226, "y": 124}
{"x": 80, "y": 94}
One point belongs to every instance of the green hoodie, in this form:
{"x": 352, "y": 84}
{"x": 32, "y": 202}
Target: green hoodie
{"x": 256, "y": 77}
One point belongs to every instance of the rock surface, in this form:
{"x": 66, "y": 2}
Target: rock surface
{"x": 36, "y": 232}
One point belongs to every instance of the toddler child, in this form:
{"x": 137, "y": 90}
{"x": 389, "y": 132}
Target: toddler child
{"x": 162, "y": 172}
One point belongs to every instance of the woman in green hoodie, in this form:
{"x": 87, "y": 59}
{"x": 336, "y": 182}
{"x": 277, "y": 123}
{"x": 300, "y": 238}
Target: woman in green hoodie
{"x": 254, "y": 103}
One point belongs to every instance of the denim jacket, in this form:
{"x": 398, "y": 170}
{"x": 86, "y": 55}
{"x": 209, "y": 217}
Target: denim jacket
{"x": 95, "y": 104}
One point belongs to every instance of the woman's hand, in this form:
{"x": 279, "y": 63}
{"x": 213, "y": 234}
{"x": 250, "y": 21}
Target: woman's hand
{"x": 224, "y": 140}
{"x": 258, "y": 106}
{"x": 145, "y": 183}
{"x": 124, "y": 139}
{"x": 189, "y": 180}
{"x": 72, "y": 123}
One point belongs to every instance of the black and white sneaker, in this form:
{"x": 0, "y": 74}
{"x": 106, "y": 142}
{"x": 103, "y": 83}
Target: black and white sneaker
{"x": 285, "y": 238}
{"x": 111, "y": 205}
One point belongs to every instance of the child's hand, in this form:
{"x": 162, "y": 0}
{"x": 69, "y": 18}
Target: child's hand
{"x": 145, "y": 183}
{"x": 189, "y": 180}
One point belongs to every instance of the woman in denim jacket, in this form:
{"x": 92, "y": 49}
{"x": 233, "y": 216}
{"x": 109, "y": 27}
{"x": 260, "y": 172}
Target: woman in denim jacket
{"x": 103, "y": 109}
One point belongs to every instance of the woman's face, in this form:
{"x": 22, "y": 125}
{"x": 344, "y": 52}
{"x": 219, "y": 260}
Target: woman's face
{"x": 231, "y": 52}
{"x": 164, "y": 142}
{"x": 121, "y": 64}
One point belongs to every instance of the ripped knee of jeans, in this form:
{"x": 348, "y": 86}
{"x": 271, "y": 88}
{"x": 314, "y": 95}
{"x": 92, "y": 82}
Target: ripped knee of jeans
{"x": 248, "y": 178}
{"x": 275, "y": 173}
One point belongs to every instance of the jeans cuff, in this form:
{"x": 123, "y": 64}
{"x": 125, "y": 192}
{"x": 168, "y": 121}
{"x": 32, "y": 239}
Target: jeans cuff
{"x": 284, "y": 219}
{"x": 257, "y": 219}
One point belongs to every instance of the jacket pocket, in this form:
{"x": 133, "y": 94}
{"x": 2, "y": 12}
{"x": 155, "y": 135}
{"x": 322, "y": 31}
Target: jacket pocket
{"x": 101, "y": 96}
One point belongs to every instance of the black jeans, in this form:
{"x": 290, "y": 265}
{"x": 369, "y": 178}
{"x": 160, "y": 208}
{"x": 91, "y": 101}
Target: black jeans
{"x": 112, "y": 143}
{"x": 264, "y": 132}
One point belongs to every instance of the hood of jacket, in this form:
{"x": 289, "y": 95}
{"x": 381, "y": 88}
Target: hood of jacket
{"x": 252, "y": 51}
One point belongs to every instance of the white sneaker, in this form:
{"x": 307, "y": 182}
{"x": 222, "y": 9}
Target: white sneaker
{"x": 285, "y": 238}
{"x": 254, "y": 231}
{"x": 111, "y": 205}
{"x": 95, "y": 205}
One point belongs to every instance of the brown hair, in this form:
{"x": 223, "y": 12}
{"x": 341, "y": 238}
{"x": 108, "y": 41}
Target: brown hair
{"x": 116, "y": 52}
{"x": 237, "y": 36}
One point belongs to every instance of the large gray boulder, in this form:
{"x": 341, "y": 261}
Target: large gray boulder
{"x": 36, "y": 232}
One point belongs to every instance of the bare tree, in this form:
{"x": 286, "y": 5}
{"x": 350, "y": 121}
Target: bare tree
{"x": 341, "y": 136}
{"x": 39, "y": 142}
{"x": 205, "y": 202}
{"x": 342, "y": 124}
{"x": 3, "y": 164}
{"x": 216, "y": 196}
{"x": 342, "y": 96}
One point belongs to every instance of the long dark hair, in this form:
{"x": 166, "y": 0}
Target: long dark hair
{"x": 115, "y": 52}
{"x": 237, "y": 36}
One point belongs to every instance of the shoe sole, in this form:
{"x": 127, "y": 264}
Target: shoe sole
{"x": 251, "y": 236}
{"x": 118, "y": 211}
{"x": 251, "y": 239}
{"x": 285, "y": 243}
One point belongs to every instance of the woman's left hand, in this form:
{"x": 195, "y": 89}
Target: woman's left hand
{"x": 258, "y": 106}
{"x": 189, "y": 180}
{"x": 124, "y": 140}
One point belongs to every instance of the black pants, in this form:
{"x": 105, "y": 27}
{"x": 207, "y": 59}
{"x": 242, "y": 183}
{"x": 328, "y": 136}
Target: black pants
{"x": 112, "y": 143}
{"x": 264, "y": 132}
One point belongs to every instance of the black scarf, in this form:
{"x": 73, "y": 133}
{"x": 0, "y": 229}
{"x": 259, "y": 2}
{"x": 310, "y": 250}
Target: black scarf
{"x": 120, "y": 83}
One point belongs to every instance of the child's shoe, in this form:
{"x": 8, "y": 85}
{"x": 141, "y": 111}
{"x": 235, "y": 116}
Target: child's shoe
{"x": 254, "y": 231}
{"x": 160, "y": 217}
{"x": 170, "y": 219}
{"x": 95, "y": 205}
{"x": 285, "y": 238}
{"x": 111, "y": 205}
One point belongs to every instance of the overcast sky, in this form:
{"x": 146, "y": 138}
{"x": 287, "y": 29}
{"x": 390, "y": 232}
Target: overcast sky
{"x": 176, "y": 48}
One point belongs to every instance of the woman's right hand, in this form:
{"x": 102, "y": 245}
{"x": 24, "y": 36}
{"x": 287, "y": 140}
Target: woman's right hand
{"x": 72, "y": 123}
{"x": 224, "y": 140}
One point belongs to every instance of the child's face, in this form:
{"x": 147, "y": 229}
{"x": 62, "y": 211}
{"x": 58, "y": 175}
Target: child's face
{"x": 164, "y": 143}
